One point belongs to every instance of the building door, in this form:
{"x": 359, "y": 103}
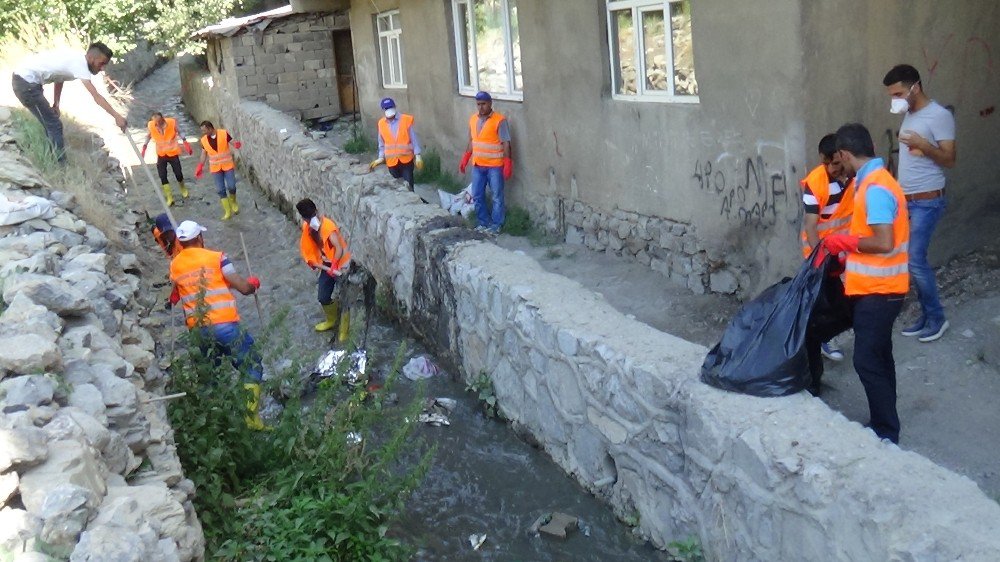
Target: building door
{"x": 343, "y": 53}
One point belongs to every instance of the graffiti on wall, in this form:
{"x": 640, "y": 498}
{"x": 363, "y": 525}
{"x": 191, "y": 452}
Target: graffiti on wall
{"x": 748, "y": 190}
{"x": 969, "y": 63}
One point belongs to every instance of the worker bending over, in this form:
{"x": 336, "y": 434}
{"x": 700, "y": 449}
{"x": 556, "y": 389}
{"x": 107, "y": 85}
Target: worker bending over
{"x": 203, "y": 280}
{"x": 324, "y": 248}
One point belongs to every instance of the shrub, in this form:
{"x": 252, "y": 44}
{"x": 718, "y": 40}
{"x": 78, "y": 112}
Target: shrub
{"x": 360, "y": 143}
{"x": 434, "y": 174}
{"x": 306, "y": 490}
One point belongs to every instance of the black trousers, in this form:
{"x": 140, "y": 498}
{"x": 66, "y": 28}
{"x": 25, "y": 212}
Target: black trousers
{"x": 872, "y": 318}
{"x": 404, "y": 171}
{"x": 175, "y": 163}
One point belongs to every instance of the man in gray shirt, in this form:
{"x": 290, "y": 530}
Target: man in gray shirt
{"x": 926, "y": 148}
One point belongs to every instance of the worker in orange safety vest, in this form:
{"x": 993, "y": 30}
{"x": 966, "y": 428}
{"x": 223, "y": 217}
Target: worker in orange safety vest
{"x": 323, "y": 247}
{"x": 203, "y": 280}
{"x": 164, "y": 134}
{"x": 827, "y": 203}
{"x": 215, "y": 144}
{"x": 398, "y": 145}
{"x": 875, "y": 253}
{"x": 489, "y": 151}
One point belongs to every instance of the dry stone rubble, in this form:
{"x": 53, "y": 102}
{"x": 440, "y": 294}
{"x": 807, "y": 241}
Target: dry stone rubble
{"x": 88, "y": 467}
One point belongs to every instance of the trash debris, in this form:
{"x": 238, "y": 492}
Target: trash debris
{"x": 330, "y": 361}
{"x": 420, "y": 367}
{"x": 433, "y": 418}
{"x": 968, "y": 334}
{"x": 459, "y": 203}
{"x": 447, "y": 404}
{"x": 559, "y": 525}
{"x": 270, "y": 408}
{"x": 477, "y": 541}
{"x": 353, "y": 438}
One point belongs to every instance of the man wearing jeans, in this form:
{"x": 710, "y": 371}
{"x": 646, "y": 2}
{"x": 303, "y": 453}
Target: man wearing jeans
{"x": 926, "y": 147}
{"x": 875, "y": 272}
{"x": 59, "y": 66}
{"x": 489, "y": 150}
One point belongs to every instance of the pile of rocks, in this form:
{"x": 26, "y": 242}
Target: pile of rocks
{"x": 88, "y": 466}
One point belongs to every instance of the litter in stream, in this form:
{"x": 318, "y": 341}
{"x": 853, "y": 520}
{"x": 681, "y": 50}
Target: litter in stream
{"x": 477, "y": 541}
{"x": 420, "y": 367}
{"x": 330, "y": 363}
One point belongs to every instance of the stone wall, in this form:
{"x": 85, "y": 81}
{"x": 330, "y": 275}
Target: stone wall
{"x": 88, "y": 466}
{"x": 618, "y": 404}
{"x": 128, "y": 68}
{"x": 290, "y": 64}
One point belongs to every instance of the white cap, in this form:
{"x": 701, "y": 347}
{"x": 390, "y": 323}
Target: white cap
{"x": 189, "y": 230}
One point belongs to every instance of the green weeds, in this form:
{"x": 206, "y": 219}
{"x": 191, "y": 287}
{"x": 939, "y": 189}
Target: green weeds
{"x": 433, "y": 173}
{"x": 360, "y": 143}
{"x": 685, "y": 551}
{"x": 482, "y": 386}
{"x": 325, "y": 482}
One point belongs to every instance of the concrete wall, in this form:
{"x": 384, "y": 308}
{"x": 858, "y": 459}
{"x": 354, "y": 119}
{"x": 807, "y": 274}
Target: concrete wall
{"x": 725, "y": 168}
{"x": 289, "y": 65}
{"x": 955, "y": 49}
{"x": 617, "y": 404}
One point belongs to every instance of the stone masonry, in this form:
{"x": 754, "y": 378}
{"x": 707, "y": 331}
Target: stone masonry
{"x": 618, "y": 404}
{"x": 289, "y": 64}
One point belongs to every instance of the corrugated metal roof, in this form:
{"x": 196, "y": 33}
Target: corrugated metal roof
{"x": 232, "y": 26}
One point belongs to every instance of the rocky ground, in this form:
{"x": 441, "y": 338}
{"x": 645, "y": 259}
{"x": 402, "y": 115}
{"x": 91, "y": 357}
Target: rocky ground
{"x": 88, "y": 468}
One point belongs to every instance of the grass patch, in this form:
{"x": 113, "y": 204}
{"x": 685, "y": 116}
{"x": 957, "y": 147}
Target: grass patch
{"x": 434, "y": 174}
{"x": 518, "y": 223}
{"x": 326, "y": 483}
{"x": 360, "y": 143}
{"x": 82, "y": 173}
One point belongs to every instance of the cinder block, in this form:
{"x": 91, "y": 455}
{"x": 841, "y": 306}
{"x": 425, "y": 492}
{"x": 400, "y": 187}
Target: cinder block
{"x": 264, "y": 59}
{"x": 313, "y": 64}
{"x": 267, "y": 89}
{"x": 307, "y": 74}
{"x": 276, "y": 68}
{"x": 248, "y": 90}
{"x": 282, "y": 38}
{"x": 271, "y": 98}
{"x": 289, "y": 87}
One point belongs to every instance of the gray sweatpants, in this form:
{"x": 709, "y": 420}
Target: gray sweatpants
{"x": 31, "y": 96}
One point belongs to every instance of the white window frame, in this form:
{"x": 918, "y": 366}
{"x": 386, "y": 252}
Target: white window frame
{"x": 638, "y": 7}
{"x": 394, "y": 46}
{"x": 470, "y": 32}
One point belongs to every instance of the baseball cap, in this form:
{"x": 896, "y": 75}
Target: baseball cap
{"x": 483, "y": 96}
{"x": 189, "y": 230}
{"x": 162, "y": 222}
{"x": 387, "y": 103}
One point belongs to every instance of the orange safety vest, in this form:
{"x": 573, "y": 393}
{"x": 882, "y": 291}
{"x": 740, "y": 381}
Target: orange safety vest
{"x": 487, "y": 148}
{"x": 166, "y": 142}
{"x": 879, "y": 274}
{"x": 220, "y": 159}
{"x": 314, "y": 256}
{"x": 173, "y": 250}
{"x": 197, "y": 273}
{"x": 399, "y": 148}
{"x": 839, "y": 221}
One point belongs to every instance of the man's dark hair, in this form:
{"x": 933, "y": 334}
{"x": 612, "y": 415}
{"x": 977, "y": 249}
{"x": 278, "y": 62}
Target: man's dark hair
{"x": 828, "y": 145}
{"x": 901, "y": 73}
{"x": 156, "y": 114}
{"x": 855, "y": 138}
{"x": 306, "y": 208}
{"x": 101, "y": 48}
{"x": 207, "y": 124}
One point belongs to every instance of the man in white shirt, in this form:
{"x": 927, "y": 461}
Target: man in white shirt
{"x": 59, "y": 66}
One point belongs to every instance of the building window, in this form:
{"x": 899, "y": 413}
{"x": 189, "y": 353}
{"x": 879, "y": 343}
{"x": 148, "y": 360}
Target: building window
{"x": 649, "y": 60}
{"x": 390, "y": 48}
{"x": 488, "y": 47}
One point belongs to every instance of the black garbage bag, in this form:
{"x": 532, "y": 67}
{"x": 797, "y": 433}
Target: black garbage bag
{"x": 762, "y": 351}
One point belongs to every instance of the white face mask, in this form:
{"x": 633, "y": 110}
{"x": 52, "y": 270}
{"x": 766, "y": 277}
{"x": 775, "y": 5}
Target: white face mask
{"x": 391, "y": 112}
{"x": 899, "y": 105}
{"x": 314, "y": 223}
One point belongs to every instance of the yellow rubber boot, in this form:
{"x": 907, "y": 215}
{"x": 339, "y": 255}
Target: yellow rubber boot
{"x": 227, "y": 210}
{"x": 252, "y": 418}
{"x": 233, "y": 205}
{"x": 168, "y": 194}
{"x": 345, "y": 325}
{"x": 332, "y": 312}
{"x": 184, "y": 190}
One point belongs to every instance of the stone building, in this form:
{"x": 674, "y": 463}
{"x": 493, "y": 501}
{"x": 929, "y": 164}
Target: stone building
{"x": 300, "y": 63}
{"x": 671, "y": 132}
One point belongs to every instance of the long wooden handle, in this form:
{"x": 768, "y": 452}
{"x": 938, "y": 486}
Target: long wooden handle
{"x": 152, "y": 181}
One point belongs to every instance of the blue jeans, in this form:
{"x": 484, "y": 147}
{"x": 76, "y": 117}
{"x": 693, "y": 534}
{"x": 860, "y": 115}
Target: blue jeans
{"x": 924, "y": 217}
{"x": 32, "y": 97}
{"x": 225, "y": 181}
{"x": 493, "y": 175}
{"x": 229, "y": 339}
{"x": 325, "y": 285}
